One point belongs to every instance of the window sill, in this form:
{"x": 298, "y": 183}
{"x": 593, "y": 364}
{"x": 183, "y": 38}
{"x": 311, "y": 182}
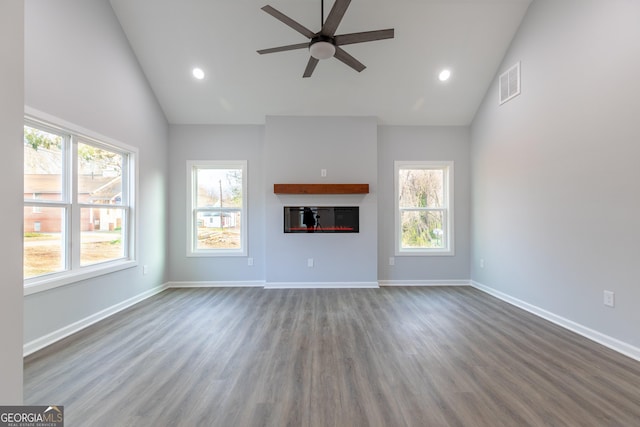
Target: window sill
{"x": 419, "y": 253}
{"x": 214, "y": 254}
{"x": 62, "y": 279}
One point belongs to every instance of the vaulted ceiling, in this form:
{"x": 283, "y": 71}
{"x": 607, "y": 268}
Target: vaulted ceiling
{"x": 400, "y": 85}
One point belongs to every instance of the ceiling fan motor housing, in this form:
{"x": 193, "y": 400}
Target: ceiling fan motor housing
{"x": 322, "y": 47}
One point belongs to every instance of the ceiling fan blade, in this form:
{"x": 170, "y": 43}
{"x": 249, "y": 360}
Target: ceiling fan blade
{"x": 335, "y": 16}
{"x": 349, "y": 60}
{"x": 283, "y": 48}
{"x": 311, "y": 65}
{"x": 288, "y": 21}
{"x": 365, "y": 36}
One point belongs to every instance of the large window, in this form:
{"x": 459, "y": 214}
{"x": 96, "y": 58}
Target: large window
{"x": 78, "y": 204}
{"x": 424, "y": 208}
{"x": 217, "y": 208}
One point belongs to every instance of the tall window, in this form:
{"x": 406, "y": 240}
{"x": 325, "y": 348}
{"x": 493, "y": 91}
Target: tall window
{"x": 217, "y": 208}
{"x": 77, "y": 203}
{"x": 424, "y": 208}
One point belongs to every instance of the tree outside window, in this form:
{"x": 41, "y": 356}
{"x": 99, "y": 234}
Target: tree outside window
{"x": 424, "y": 194}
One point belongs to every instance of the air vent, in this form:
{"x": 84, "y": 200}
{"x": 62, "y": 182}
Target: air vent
{"x": 510, "y": 83}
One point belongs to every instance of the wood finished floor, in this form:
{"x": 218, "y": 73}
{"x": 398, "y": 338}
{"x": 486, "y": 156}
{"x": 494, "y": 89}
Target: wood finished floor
{"x": 449, "y": 356}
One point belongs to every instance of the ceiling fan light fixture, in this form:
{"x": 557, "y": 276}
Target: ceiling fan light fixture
{"x": 322, "y": 50}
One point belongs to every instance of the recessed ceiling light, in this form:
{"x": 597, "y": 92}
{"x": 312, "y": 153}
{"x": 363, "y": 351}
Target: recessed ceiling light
{"x": 444, "y": 75}
{"x": 198, "y": 73}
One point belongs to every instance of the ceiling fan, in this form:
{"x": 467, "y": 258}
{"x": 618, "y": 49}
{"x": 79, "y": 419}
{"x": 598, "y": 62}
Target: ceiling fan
{"x": 325, "y": 44}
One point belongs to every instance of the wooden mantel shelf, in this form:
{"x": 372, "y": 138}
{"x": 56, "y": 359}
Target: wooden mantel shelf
{"x": 321, "y": 188}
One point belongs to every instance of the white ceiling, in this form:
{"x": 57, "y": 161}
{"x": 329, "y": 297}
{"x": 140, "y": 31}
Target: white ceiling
{"x": 399, "y": 86}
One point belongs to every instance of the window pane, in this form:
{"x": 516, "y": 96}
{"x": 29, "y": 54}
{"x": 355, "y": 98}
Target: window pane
{"x": 219, "y": 188}
{"x": 101, "y": 235}
{"x": 43, "y": 241}
{"x": 99, "y": 175}
{"x": 42, "y": 165}
{"x": 422, "y": 229}
{"x": 421, "y": 188}
{"x": 218, "y": 230}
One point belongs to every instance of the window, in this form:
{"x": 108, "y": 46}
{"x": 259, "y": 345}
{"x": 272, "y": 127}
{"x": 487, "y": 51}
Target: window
{"x": 78, "y": 205}
{"x": 217, "y": 208}
{"x": 36, "y": 209}
{"x": 424, "y": 208}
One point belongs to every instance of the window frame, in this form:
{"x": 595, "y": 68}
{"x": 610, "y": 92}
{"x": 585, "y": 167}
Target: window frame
{"x": 73, "y": 270}
{"x": 192, "y": 209}
{"x": 448, "y": 236}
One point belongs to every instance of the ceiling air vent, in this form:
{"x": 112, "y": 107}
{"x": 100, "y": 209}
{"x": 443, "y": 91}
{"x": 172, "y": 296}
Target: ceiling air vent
{"x": 510, "y": 83}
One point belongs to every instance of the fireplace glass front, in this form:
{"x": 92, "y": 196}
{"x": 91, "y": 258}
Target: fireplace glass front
{"x": 321, "y": 219}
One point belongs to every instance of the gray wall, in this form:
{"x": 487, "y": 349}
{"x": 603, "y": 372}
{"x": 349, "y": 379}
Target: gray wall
{"x": 555, "y": 171}
{"x": 296, "y": 149}
{"x": 216, "y": 143}
{"x": 433, "y": 144}
{"x": 11, "y": 122}
{"x": 80, "y": 68}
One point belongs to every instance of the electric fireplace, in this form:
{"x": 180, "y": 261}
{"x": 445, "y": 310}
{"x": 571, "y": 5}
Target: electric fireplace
{"x": 321, "y": 219}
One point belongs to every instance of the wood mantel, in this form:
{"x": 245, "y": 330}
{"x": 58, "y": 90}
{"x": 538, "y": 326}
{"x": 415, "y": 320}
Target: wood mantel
{"x": 321, "y": 188}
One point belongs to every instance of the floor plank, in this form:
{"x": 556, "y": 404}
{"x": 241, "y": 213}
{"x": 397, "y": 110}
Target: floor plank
{"x": 450, "y": 356}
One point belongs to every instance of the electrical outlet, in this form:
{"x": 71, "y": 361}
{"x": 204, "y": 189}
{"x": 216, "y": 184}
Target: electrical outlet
{"x": 481, "y": 262}
{"x": 249, "y": 261}
{"x": 309, "y": 262}
{"x": 609, "y": 298}
{"x": 145, "y": 270}
{"x": 323, "y": 173}
{"x": 392, "y": 261}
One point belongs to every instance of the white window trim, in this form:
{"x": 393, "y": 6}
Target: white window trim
{"x": 191, "y": 201}
{"x": 448, "y": 250}
{"x": 54, "y": 280}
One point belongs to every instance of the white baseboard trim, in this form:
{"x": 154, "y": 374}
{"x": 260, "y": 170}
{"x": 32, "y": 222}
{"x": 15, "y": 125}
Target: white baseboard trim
{"x": 220, "y": 284}
{"x": 320, "y": 285}
{"x": 424, "y": 282}
{"x": 42, "y": 342}
{"x": 613, "y": 343}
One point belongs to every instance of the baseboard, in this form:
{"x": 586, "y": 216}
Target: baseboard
{"x": 316, "y": 285}
{"x": 424, "y": 282}
{"x": 220, "y": 284}
{"x": 320, "y": 285}
{"x": 42, "y": 342}
{"x": 610, "y": 342}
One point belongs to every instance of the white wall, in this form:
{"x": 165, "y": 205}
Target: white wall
{"x": 434, "y": 144}
{"x": 11, "y": 122}
{"x": 556, "y": 195}
{"x": 216, "y": 143}
{"x": 296, "y": 149}
{"x": 80, "y": 69}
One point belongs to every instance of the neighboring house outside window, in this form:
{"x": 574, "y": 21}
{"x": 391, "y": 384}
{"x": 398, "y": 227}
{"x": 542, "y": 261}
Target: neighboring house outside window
{"x": 78, "y": 205}
{"x": 36, "y": 209}
{"x": 217, "y": 208}
{"x": 424, "y": 208}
